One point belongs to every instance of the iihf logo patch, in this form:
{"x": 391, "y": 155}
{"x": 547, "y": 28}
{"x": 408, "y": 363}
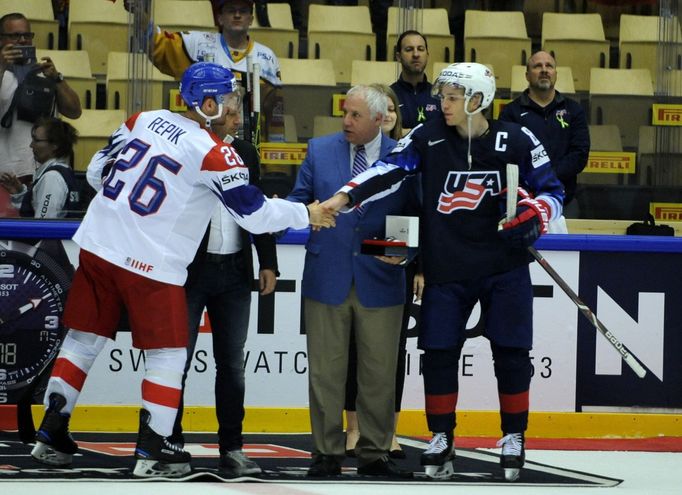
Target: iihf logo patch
{"x": 466, "y": 190}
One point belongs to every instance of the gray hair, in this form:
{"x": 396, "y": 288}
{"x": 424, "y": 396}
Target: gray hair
{"x": 375, "y": 99}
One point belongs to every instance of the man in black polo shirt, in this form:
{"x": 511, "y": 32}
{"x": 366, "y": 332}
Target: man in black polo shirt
{"x": 412, "y": 88}
{"x": 558, "y": 122}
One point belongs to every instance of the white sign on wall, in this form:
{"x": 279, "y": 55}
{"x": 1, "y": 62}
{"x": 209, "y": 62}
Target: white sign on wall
{"x": 276, "y": 364}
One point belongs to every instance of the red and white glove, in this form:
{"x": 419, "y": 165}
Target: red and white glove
{"x": 530, "y": 222}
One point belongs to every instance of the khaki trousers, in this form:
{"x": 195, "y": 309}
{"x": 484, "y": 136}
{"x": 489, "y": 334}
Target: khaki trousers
{"x": 377, "y": 334}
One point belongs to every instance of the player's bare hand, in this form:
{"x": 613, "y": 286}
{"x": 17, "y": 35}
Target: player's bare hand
{"x": 336, "y": 202}
{"x": 321, "y": 216}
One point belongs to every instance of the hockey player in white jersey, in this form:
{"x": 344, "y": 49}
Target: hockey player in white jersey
{"x": 167, "y": 172}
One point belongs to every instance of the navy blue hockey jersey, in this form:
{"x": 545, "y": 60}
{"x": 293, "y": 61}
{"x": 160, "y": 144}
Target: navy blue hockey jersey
{"x": 462, "y": 206}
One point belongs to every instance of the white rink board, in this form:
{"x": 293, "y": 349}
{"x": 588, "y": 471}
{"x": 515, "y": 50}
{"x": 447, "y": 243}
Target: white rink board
{"x": 276, "y": 367}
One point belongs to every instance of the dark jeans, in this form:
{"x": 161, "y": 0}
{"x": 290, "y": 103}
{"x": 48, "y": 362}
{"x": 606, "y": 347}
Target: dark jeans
{"x": 224, "y": 288}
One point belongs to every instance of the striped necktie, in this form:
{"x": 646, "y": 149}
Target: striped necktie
{"x": 360, "y": 160}
{"x": 359, "y": 166}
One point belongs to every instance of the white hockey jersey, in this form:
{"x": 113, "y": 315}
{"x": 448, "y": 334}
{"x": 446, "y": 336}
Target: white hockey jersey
{"x": 154, "y": 204}
{"x": 211, "y": 47}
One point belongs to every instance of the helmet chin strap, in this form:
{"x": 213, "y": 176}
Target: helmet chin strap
{"x": 470, "y": 119}
{"x": 209, "y": 119}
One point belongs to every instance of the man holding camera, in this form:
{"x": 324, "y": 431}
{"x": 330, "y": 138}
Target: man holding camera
{"x": 17, "y": 60}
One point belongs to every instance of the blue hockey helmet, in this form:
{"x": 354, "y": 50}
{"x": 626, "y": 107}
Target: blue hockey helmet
{"x": 204, "y": 79}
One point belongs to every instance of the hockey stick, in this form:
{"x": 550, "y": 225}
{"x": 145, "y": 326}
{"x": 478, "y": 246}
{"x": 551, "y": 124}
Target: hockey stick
{"x": 628, "y": 357}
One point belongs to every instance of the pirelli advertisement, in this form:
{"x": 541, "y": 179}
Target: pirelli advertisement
{"x": 632, "y": 286}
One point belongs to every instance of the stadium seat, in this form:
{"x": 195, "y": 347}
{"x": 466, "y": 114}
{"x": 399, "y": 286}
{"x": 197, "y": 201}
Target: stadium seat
{"x": 119, "y": 68}
{"x": 639, "y": 39}
{"x": 341, "y": 34}
{"x": 281, "y": 36}
{"x": 659, "y": 154}
{"x": 623, "y": 97}
{"x": 325, "y": 124}
{"x": 290, "y": 132}
{"x": 94, "y": 128}
{"x": 308, "y": 86}
{"x": 564, "y": 80}
{"x": 75, "y": 66}
{"x": 433, "y": 23}
{"x": 603, "y": 138}
{"x": 373, "y": 71}
{"x": 41, "y": 16}
{"x": 576, "y": 41}
{"x": 177, "y": 15}
{"x": 98, "y": 27}
{"x": 498, "y": 39}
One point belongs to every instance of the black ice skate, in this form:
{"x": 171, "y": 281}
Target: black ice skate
{"x": 513, "y": 455}
{"x": 156, "y": 456}
{"x": 54, "y": 444}
{"x": 438, "y": 457}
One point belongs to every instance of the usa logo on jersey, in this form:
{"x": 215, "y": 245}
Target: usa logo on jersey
{"x": 466, "y": 190}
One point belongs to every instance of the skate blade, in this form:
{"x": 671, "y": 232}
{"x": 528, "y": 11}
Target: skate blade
{"x": 149, "y": 468}
{"x": 444, "y": 472}
{"x": 511, "y": 474}
{"x": 46, "y": 454}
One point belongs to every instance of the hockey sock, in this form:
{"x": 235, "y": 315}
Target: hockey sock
{"x": 441, "y": 387}
{"x": 162, "y": 387}
{"x": 76, "y": 356}
{"x": 513, "y": 372}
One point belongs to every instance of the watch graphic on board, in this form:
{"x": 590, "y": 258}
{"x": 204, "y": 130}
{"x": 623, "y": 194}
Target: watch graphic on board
{"x": 33, "y": 288}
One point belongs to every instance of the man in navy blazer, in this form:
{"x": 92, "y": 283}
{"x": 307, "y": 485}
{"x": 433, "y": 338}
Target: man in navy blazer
{"x": 344, "y": 289}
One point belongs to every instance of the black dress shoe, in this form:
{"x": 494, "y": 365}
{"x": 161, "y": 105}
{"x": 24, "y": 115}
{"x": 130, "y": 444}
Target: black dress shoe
{"x": 384, "y": 467}
{"x": 324, "y": 466}
{"x": 397, "y": 454}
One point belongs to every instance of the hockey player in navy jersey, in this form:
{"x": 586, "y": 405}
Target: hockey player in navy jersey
{"x": 469, "y": 254}
{"x": 167, "y": 174}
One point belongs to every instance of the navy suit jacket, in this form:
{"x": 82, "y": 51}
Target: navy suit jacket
{"x": 333, "y": 261}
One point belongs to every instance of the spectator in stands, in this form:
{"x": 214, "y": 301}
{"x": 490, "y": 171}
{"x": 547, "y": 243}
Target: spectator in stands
{"x": 392, "y": 125}
{"x": 558, "y": 122}
{"x": 365, "y": 293}
{"x": 172, "y": 53}
{"x": 417, "y": 105}
{"x": 220, "y": 279}
{"x": 15, "y": 151}
{"x": 53, "y": 193}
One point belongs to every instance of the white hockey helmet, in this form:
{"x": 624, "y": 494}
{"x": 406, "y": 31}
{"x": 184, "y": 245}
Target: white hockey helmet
{"x": 473, "y": 77}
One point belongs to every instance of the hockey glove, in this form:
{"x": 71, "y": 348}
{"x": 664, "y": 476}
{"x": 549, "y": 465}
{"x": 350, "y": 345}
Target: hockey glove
{"x": 529, "y": 223}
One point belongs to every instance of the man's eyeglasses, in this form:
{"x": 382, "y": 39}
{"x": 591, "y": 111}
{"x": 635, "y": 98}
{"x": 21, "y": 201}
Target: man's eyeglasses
{"x": 18, "y": 36}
